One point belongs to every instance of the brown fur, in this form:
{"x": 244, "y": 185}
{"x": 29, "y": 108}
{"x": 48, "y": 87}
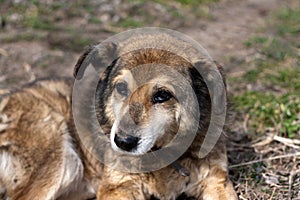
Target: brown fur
{"x": 44, "y": 158}
{"x": 35, "y": 121}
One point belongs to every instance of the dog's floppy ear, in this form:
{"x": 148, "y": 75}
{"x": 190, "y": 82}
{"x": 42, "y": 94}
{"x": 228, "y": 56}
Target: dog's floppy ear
{"x": 81, "y": 59}
{"x": 214, "y": 78}
{"x": 100, "y": 56}
{"x": 212, "y": 101}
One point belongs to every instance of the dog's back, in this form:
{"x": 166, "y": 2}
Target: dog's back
{"x": 37, "y": 156}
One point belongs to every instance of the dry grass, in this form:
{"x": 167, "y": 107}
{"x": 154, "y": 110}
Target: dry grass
{"x": 267, "y": 169}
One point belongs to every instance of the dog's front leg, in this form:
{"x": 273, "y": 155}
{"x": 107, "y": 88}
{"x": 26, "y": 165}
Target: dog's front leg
{"x": 217, "y": 186}
{"x": 125, "y": 191}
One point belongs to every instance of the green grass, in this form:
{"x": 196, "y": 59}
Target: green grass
{"x": 270, "y": 92}
{"x": 23, "y": 36}
{"x": 130, "y": 23}
{"x": 271, "y": 47}
{"x": 256, "y": 40}
{"x": 73, "y": 40}
{"x": 194, "y": 2}
{"x": 180, "y": 11}
{"x": 94, "y": 20}
{"x": 267, "y": 110}
{"x": 136, "y": 1}
{"x": 288, "y": 21}
{"x": 38, "y": 23}
{"x": 35, "y": 15}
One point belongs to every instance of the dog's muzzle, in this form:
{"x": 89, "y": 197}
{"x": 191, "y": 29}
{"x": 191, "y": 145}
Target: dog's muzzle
{"x": 126, "y": 142}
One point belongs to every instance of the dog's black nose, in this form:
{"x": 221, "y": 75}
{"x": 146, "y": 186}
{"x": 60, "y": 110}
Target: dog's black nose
{"x": 126, "y": 142}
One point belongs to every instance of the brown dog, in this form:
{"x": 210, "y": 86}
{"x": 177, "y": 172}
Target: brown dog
{"x": 140, "y": 110}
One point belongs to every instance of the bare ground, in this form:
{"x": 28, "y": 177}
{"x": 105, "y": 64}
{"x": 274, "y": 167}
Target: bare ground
{"x": 234, "y": 22}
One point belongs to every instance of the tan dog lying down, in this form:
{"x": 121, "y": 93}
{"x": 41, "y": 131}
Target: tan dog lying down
{"x": 42, "y": 156}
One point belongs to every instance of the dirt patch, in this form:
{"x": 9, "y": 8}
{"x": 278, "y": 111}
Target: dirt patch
{"x": 26, "y": 61}
{"x": 233, "y": 22}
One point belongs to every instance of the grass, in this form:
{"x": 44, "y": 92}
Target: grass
{"x": 270, "y": 92}
{"x": 94, "y": 20}
{"x": 130, "y": 23}
{"x": 199, "y": 8}
{"x": 177, "y": 12}
{"x": 35, "y": 15}
{"x": 272, "y": 96}
{"x": 72, "y": 40}
{"x": 288, "y": 21}
{"x": 267, "y": 110}
{"x": 42, "y": 17}
{"x": 274, "y": 48}
{"x": 182, "y": 2}
{"x": 38, "y": 20}
{"x": 23, "y": 36}
{"x": 195, "y": 2}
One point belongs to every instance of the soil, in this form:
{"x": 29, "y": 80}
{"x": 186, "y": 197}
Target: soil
{"x": 233, "y": 23}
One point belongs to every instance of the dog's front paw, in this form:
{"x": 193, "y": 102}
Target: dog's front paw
{"x": 114, "y": 196}
{"x": 219, "y": 191}
{"x": 118, "y": 193}
{"x": 217, "y": 186}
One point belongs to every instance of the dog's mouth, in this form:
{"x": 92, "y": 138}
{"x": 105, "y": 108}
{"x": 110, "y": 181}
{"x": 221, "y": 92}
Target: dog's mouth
{"x": 133, "y": 141}
{"x": 155, "y": 148}
{"x": 123, "y": 142}
{"x": 129, "y": 143}
{"x": 132, "y": 144}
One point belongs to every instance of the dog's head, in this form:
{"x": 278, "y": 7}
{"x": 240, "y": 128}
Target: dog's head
{"x": 144, "y": 102}
{"x": 145, "y": 116}
{"x": 139, "y": 98}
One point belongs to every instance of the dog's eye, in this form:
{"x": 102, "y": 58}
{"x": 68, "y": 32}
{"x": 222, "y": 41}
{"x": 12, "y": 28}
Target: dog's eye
{"x": 122, "y": 88}
{"x": 161, "y": 96}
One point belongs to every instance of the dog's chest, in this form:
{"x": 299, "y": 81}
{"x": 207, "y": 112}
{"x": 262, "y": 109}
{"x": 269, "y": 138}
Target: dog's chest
{"x": 170, "y": 184}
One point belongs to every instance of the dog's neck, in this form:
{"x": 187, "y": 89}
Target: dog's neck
{"x": 180, "y": 169}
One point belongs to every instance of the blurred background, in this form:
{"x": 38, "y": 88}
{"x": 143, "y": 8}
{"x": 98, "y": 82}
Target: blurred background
{"x": 257, "y": 42}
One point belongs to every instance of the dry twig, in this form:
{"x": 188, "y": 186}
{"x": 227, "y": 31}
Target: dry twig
{"x": 29, "y": 71}
{"x": 273, "y": 192}
{"x": 286, "y": 141}
{"x": 3, "y": 52}
{"x": 266, "y": 159}
{"x": 245, "y": 123}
